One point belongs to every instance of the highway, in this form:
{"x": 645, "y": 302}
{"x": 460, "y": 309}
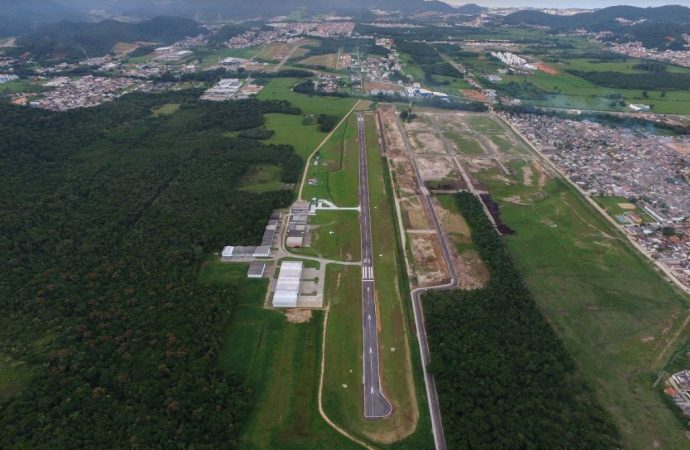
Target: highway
{"x": 375, "y": 404}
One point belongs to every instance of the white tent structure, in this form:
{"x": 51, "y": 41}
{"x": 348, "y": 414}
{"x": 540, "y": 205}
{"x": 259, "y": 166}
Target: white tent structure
{"x": 287, "y": 288}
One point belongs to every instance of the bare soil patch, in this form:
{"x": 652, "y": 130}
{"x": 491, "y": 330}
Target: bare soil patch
{"x": 426, "y": 143}
{"x": 527, "y": 175}
{"x": 429, "y": 265}
{"x": 369, "y": 85}
{"x": 681, "y": 147}
{"x": 629, "y": 206}
{"x": 298, "y": 315}
{"x": 472, "y": 272}
{"x": 473, "y": 95}
{"x": 547, "y": 69}
{"x": 437, "y": 169}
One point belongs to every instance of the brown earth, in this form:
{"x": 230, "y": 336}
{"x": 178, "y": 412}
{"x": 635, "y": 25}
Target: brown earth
{"x": 437, "y": 169}
{"x": 428, "y": 258}
{"x": 547, "y": 69}
{"x": 298, "y": 315}
{"x": 426, "y": 143}
{"x": 473, "y": 95}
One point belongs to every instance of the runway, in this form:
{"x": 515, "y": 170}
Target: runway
{"x": 375, "y": 404}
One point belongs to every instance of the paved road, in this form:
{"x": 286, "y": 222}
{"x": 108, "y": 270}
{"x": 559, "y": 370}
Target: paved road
{"x": 375, "y": 404}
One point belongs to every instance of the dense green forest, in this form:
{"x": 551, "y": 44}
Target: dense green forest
{"x": 107, "y": 214}
{"x": 504, "y": 379}
{"x": 80, "y": 40}
{"x": 618, "y": 80}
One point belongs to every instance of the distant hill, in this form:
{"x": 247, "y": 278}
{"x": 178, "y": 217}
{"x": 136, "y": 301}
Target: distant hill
{"x": 226, "y": 9}
{"x": 72, "y": 40}
{"x": 662, "y": 27}
{"x": 20, "y": 16}
{"x": 471, "y": 9}
{"x": 601, "y": 18}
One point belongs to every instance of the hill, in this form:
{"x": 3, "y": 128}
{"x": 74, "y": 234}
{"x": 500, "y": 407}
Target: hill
{"x": 662, "y": 27}
{"x": 19, "y": 17}
{"x": 78, "y": 40}
{"x": 214, "y": 10}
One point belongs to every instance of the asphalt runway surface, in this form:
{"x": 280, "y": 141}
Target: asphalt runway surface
{"x": 375, "y": 404}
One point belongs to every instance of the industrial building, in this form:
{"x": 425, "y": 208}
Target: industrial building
{"x": 287, "y": 287}
{"x": 256, "y": 270}
{"x": 235, "y": 252}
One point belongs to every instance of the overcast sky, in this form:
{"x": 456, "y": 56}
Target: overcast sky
{"x": 571, "y": 3}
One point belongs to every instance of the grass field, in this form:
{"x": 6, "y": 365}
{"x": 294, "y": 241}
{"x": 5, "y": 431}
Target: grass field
{"x": 466, "y": 145}
{"x": 334, "y": 235}
{"x": 614, "y": 312}
{"x": 337, "y": 169}
{"x": 568, "y": 91}
{"x": 289, "y": 129}
{"x": 329, "y": 60}
{"x": 16, "y": 86}
{"x": 281, "y": 361}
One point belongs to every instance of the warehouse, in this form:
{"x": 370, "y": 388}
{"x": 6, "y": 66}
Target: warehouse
{"x": 287, "y": 288}
{"x": 256, "y": 270}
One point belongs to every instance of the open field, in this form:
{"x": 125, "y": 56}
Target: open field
{"x": 289, "y": 129}
{"x": 334, "y": 235}
{"x": 276, "y": 51}
{"x": 569, "y": 91}
{"x": 614, "y": 312}
{"x": 281, "y": 360}
{"x": 329, "y": 60}
{"x": 336, "y": 170}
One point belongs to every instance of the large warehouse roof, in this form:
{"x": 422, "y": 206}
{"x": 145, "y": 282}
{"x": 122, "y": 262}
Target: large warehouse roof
{"x": 287, "y": 288}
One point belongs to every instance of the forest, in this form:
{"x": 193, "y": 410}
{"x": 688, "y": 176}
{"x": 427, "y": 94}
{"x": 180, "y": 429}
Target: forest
{"x": 81, "y": 40}
{"x": 504, "y": 379}
{"x": 107, "y": 214}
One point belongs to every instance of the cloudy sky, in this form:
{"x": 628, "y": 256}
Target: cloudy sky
{"x": 571, "y": 3}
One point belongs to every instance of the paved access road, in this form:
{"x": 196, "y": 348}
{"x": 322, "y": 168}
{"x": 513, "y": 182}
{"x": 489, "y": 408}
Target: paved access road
{"x": 375, "y": 404}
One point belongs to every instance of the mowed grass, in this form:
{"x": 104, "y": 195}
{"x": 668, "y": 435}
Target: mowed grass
{"x": 334, "y": 235}
{"x": 337, "y": 172}
{"x": 282, "y": 363}
{"x": 209, "y": 58}
{"x": 615, "y": 314}
{"x": 404, "y": 428}
{"x": 289, "y": 129}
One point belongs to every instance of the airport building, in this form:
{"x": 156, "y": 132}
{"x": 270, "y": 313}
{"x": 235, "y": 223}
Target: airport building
{"x": 287, "y": 288}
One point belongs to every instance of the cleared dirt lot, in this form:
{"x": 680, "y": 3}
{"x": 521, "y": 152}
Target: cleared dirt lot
{"x": 435, "y": 169}
{"x": 428, "y": 260}
{"x": 424, "y": 142}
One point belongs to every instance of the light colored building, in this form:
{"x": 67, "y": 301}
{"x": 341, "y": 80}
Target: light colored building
{"x": 287, "y": 288}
